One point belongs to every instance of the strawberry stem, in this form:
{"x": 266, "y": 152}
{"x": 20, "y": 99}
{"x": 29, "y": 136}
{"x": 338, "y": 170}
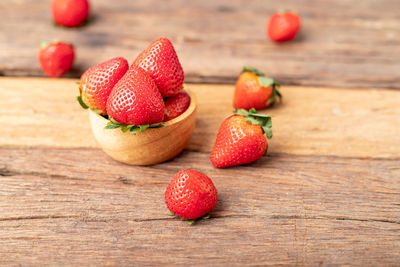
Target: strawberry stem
{"x": 252, "y": 117}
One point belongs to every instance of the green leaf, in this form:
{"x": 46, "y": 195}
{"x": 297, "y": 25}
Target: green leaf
{"x": 44, "y": 44}
{"x": 271, "y": 100}
{"x": 115, "y": 122}
{"x": 98, "y": 111}
{"x": 112, "y": 126}
{"x": 191, "y": 221}
{"x": 112, "y": 120}
{"x": 275, "y": 95}
{"x": 83, "y": 105}
{"x": 266, "y": 81}
{"x": 268, "y": 132}
{"x": 170, "y": 213}
{"x": 252, "y": 120}
{"x": 241, "y": 111}
{"x": 157, "y": 125}
{"x": 253, "y": 110}
{"x": 126, "y": 128}
{"x": 253, "y": 70}
{"x": 143, "y": 127}
{"x": 134, "y": 129}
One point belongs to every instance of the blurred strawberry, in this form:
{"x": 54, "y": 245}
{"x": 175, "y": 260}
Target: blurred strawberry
{"x": 98, "y": 81}
{"x": 254, "y": 90}
{"x": 56, "y": 58}
{"x": 283, "y": 26}
{"x": 176, "y": 105}
{"x": 70, "y": 13}
{"x": 160, "y": 61}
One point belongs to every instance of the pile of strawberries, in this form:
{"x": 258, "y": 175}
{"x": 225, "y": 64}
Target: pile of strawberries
{"x": 140, "y": 96}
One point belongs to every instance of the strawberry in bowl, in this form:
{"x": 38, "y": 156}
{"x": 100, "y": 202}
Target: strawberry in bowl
{"x": 137, "y": 117}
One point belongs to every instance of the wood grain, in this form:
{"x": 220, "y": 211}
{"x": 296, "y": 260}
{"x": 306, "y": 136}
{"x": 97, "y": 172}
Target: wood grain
{"x": 328, "y": 193}
{"x": 338, "y": 46}
{"x": 57, "y": 209}
{"x": 310, "y": 121}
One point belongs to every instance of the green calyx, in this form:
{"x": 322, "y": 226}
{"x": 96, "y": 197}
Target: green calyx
{"x": 83, "y": 105}
{"x": 276, "y": 95}
{"x": 133, "y": 129}
{"x": 253, "y": 70}
{"x": 190, "y": 221}
{"x": 252, "y": 117}
{"x": 44, "y": 44}
{"x": 266, "y": 82}
{"x": 80, "y": 101}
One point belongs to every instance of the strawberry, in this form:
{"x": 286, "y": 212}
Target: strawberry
{"x": 135, "y": 100}
{"x": 191, "y": 195}
{"x": 98, "y": 81}
{"x": 159, "y": 59}
{"x": 176, "y": 105}
{"x": 254, "y": 90}
{"x": 70, "y": 13}
{"x": 283, "y": 26}
{"x": 56, "y": 58}
{"x": 240, "y": 139}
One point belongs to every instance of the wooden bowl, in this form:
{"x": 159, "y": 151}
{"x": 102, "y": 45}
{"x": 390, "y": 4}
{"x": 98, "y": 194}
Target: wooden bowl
{"x": 152, "y": 146}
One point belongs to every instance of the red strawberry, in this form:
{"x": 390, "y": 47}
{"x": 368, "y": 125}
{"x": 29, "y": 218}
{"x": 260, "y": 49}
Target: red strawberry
{"x": 176, "y": 105}
{"x": 56, "y": 58}
{"x": 159, "y": 59}
{"x": 98, "y": 81}
{"x": 70, "y": 13}
{"x": 135, "y": 100}
{"x": 254, "y": 90}
{"x": 283, "y": 26}
{"x": 241, "y": 139}
{"x": 191, "y": 195}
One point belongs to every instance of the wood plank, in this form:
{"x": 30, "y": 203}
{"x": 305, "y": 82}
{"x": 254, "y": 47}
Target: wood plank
{"x": 56, "y": 208}
{"x": 338, "y": 46}
{"x": 310, "y": 121}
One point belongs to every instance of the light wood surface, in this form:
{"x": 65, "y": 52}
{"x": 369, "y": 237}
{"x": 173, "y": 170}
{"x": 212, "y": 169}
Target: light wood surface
{"x": 339, "y": 44}
{"x": 310, "y": 121}
{"x": 327, "y": 194}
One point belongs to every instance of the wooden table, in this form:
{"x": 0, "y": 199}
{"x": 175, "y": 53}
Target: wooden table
{"x": 340, "y": 45}
{"x": 328, "y": 193}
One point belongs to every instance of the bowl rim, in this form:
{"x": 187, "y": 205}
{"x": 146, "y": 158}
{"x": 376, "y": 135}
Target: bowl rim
{"x": 192, "y": 107}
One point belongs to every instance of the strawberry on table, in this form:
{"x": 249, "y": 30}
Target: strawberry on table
{"x": 135, "y": 100}
{"x": 160, "y": 61}
{"x": 241, "y": 139}
{"x": 56, "y": 58}
{"x": 98, "y": 81}
{"x": 176, "y": 105}
{"x": 283, "y": 26}
{"x": 70, "y": 13}
{"x": 254, "y": 90}
{"x": 191, "y": 195}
